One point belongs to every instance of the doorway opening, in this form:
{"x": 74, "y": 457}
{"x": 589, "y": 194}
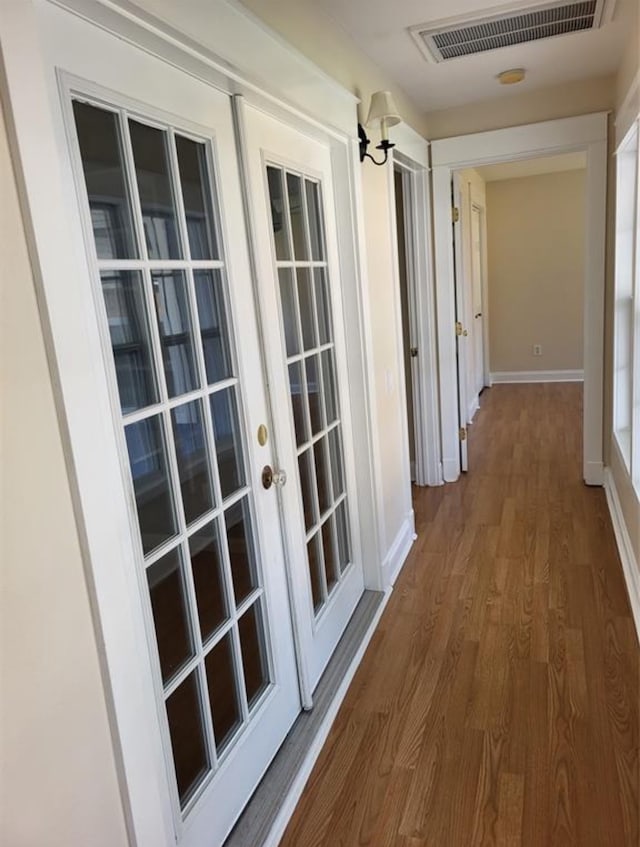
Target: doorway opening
{"x": 520, "y": 298}
{"x": 406, "y": 279}
{"x": 585, "y": 134}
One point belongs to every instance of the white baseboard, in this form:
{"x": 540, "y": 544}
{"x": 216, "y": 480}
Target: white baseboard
{"x": 473, "y": 408}
{"x": 450, "y": 470}
{"x": 630, "y": 565}
{"x": 295, "y": 792}
{"x": 537, "y": 376}
{"x": 593, "y": 473}
{"x": 399, "y": 550}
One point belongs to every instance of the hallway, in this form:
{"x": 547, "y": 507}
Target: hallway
{"x": 498, "y": 700}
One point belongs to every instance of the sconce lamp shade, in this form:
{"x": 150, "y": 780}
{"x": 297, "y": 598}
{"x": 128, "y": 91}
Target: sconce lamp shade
{"x": 383, "y": 109}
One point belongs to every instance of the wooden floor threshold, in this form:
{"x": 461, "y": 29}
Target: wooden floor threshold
{"x": 266, "y": 816}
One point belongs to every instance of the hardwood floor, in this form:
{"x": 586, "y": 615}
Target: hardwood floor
{"x": 497, "y": 703}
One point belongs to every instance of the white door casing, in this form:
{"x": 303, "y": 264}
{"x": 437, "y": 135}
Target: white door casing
{"x": 461, "y": 330}
{"x": 411, "y": 155}
{"x": 477, "y": 304}
{"x": 587, "y": 133}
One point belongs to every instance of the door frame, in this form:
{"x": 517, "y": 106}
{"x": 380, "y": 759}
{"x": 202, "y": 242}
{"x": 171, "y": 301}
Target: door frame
{"x": 587, "y": 133}
{"x": 42, "y": 161}
{"x": 411, "y": 156}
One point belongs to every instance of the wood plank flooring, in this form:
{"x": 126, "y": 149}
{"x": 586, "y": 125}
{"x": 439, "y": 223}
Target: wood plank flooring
{"x": 497, "y": 703}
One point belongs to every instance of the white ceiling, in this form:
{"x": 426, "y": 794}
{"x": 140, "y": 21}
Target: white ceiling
{"x": 533, "y": 167}
{"x": 380, "y": 29}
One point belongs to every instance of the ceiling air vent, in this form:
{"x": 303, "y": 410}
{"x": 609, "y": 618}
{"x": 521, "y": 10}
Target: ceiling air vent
{"x": 455, "y": 38}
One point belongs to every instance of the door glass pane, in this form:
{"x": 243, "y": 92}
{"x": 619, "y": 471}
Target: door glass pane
{"x": 278, "y": 214}
{"x": 208, "y": 579}
{"x": 344, "y": 548}
{"x": 193, "y": 459}
{"x": 296, "y": 213}
{"x": 176, "y": 334}
{"x": 223, "y": 692}
{"x": 322, "y": 305}
{"x": 226, "y": 429}
{"x": 289, "y": 311}
{"x": 155, "y": 190}
{"x": 213, "y": 325}
{"x": 253, "y": 654}
{"x": 307, "y": 486}
{"x": 195, "y": 184}
{"x": 190, "y": 756}
{"x": 148, "y": 464}
{"x": 329, "y": 386}
{"x": 305, "y": 298}
{"x": 313, "y": 393}
{"x": 322, "y": 475}
{"x": 102, "y": 163}
{"x": 241, "y": 553}
{"x": 335, "y": 455}
{"x": 170, "y": 616}
{"x": 315, "y": 566}
{"x": 298, "y": 404}
{"x": 315, "y": 220}
{"x": 332, "y": 569}
{"x": 130, "y": 340}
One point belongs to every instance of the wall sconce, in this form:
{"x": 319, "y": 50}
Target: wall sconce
{"x": 382, "y": 109}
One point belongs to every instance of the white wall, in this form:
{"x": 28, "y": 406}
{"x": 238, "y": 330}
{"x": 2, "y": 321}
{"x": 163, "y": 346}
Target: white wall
{"x": 59, "y": 786}
{"x": 536, "y": 243}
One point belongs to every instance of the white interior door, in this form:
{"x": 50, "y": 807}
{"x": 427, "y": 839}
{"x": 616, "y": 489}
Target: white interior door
{"x": 477, "y": 301}
{"x": 290, "y": 184}
{"x": 462, "y": 332}
{"x": 160, "y": 204}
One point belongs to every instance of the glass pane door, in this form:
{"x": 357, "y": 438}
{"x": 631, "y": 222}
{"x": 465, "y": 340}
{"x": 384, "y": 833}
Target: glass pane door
{"x": 291, "y": 182}
{"x": 163, "y": 275}
{"x": 306, "y": 314}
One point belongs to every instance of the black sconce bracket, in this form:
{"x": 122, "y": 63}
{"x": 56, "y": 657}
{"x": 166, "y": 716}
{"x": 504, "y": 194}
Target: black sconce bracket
{"x": 384, "y": 145}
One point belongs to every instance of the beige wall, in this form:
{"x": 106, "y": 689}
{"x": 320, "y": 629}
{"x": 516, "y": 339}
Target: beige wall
{"x": 543, "y": 104}
{"x": 303, "y": 24}
{"x": 59, "y": 786}
{"x": 535, "y": 237}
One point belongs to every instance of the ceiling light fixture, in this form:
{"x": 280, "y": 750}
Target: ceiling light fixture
{"x": 511, "y": 77}
{"x": 382, "y": 109}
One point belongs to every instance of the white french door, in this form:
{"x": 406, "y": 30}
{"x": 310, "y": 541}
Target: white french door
{"x": 290, "y": 185}
{"x": 160, "y": 204}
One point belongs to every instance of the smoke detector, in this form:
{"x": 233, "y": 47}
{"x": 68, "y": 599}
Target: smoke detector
{"x": 454, "y": 38}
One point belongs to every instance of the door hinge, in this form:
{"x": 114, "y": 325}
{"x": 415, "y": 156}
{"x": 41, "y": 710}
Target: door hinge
{"x": 455, "y": 214}
{"x": 462, "y": 433}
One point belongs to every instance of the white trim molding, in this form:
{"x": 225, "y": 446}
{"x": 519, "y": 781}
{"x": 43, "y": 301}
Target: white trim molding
{"x": 630, "y": 565}
{"x": 536, "y": 376}
{"x": 628, "y": 111}
{"x": 399, "y": 550}
{"x": 587, "y": 133}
